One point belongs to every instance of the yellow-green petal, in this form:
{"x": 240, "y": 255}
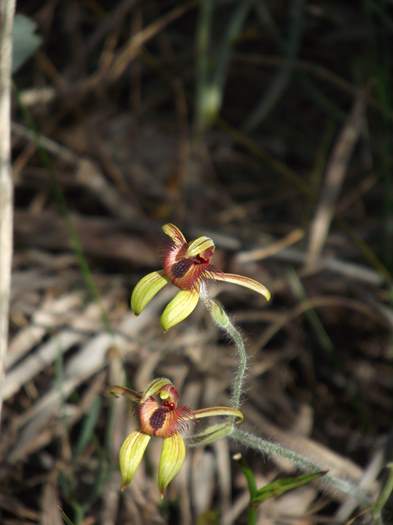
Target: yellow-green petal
{"x": 154, "y": 387}
{"x": 172, "y": 458}
{"x": 130, "y": 455}
{"x": 146, "y": 289}
{"x": 199, "y": 246}
{"x": 174, "y": 233}
{"x": 241, "y": 280}
{"x": 181, "y": 306}
{"x": 219, "y": 411}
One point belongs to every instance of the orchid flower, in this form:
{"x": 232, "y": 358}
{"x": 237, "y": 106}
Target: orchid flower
{"x": 160, "y": 415}
{"x": 186, "y": 265}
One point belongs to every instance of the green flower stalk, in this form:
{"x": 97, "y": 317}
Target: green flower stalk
{"x": 223, "y": 321}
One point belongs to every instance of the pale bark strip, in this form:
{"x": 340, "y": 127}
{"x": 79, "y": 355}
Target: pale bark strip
{"x": 7, "y": 9}
{"x": 334, "y": 178}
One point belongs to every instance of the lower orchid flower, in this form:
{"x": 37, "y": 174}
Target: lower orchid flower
{"x": 160, "y": 415}
{"x": 186, "y": 265}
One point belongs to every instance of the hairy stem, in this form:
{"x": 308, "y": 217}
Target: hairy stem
{"x": 302, "y": 463}
{"x": 240, "y": 373}
{"x": 222, "y": 320}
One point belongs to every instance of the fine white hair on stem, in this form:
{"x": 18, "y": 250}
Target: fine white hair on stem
{"x": 222, "y": 320}
{"x": 7, "y": 10}
{"x": 270, "y": 448}
{"x": 264, "y": 446}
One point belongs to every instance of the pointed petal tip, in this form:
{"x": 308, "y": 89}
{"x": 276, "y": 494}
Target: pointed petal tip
{"x": 242, "y": 280}
{"x": 174, "y": 233}
{"x": 122, "y": 391}
{"x": 173, "y": 454}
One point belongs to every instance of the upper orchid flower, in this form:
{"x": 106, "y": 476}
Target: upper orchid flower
{"x": 186, "y": 265}
{"x": 160, "y": 415}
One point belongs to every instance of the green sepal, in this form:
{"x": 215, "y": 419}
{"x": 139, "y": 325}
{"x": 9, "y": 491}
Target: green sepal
{"x": 181, "y": 306}
{"x": 146, "y": 289}
{"x": 172, "y": 457}
{"x": 130, "y": 456}
{"x": 210, "y": 434}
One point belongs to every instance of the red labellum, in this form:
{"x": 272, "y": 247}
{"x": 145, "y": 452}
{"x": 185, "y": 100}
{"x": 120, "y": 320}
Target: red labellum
{"x": 160, "y": 416}
{"x": 185, "y": 272}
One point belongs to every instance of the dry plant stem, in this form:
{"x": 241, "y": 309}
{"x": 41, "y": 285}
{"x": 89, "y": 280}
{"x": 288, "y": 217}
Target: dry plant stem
{"x": 302, "y": 463}
{"x": 335, "y": 175}
{"x": 7, "y": 10}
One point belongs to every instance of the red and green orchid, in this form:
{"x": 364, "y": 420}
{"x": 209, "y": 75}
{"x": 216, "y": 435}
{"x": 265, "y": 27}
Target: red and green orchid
{"x": 160, "y": 415}
{"x": 187, "y": 265}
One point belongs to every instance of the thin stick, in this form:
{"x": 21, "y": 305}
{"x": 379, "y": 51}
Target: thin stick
{"x": 7, "y": 10}
{"x": 335, "y": 174}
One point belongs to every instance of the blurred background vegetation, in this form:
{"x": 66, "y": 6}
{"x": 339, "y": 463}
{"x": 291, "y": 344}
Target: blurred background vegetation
{"x": 266, "y": 125}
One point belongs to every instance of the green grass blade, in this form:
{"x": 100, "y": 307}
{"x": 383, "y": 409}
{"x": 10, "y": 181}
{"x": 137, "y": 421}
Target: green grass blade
{"x": 248, "y": 474}
{"x": 281, "y": 81}
{"x": 87, "y": 431}
{"x": 281, "y": 486}
{"x": 385, "y": 493}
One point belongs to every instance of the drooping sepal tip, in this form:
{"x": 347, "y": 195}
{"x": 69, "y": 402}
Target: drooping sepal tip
{"x": 123, "y": 391}
{"x": 130, "y": 455}
{"x": 172, "y": 457}
{"x": 174, "y": 233}
{"x": 241, "y": 280}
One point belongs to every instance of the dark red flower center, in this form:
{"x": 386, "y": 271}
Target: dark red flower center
{"x": 185, "y": 272}
{"x": 157, "y": 419}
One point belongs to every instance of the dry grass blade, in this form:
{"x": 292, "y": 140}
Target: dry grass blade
{"x": 137, "y": 41}
{"x": 50, "y": 513}
{"x": 258, "y": 254}
{"x": 7, "y": 10}
{"x": 34, "y": 364}
{"x": 317, "y": 302}
{"x": 334, "y": 178}
{"x": 369, "y": 477}
{"x": 91, "y": 358}
{"x": 51, "y": 314}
